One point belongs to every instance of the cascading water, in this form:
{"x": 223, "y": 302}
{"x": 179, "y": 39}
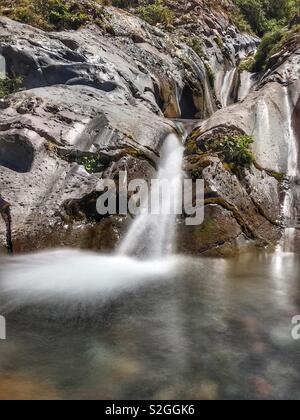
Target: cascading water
{"x": 292, "y": 196}
{"x": 227, "y": 87}
{"x": 154, "y": 235}
{"x": 57, "y": 276}
{"x": 246, "y": 84}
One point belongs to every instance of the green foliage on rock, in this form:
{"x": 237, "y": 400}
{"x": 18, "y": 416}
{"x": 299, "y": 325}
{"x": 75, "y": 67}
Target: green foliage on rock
{"x": 247, "y": 64}
{"x": 211, "y": 75}
{"x": 196, "y": 44}
{"x": 52, "y": 14}
{"x": 10, "y": 85}
{"x": 92, "y": 164}
{"x": 156, "y": 13}
{"x": 234, "y": 149}
{"x": 267, "y": 48}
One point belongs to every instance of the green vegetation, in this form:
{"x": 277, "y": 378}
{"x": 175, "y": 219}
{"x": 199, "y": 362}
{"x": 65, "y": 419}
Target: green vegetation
{"x": 191, "y": 147}
{"x": 266, "y": 49}
{"x": 265, "y": 15}
{"x": 156, "y": 13}
{"x": 234, "y": 149}
{"x": 219, "y": 41}
{"x": 52, "y": 14}
{"x": 272, "y": 43}
{"x": 268, "y": 19}
{"x": 247, "y": 64}
{"x": 92, "y": 164}
{"x": 196, "y": 44}
{"x": 211, "y": 75}
{"x": 10, "y": 85}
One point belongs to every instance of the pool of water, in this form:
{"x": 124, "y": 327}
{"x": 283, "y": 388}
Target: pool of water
{"x": 83, "y": 326}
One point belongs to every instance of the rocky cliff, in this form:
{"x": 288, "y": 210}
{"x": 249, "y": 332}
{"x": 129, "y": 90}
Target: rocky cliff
{"x": 102, "y": 98}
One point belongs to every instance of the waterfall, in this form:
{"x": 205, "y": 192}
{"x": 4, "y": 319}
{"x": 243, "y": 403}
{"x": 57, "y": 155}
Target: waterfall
{"x": 227, "y": 87}
{"x": 2, "y": 67}
{"x": 154, "y": 235}
{"x": 245, "y": 85}
{"x": 292, "y": 197}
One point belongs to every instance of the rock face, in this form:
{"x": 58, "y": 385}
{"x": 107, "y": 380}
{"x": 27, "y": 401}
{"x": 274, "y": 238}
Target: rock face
{"x": 254, "y": 196}
{"x": 97, "y": 101}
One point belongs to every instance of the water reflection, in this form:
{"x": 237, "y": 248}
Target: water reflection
{"x": 203, "y": 329}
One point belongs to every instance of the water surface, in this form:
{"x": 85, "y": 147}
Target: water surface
{"x": 90, "y": 327}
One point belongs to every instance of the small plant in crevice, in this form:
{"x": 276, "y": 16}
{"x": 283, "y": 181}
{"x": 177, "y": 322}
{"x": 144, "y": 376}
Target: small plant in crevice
{"x": 234, "y": 149}
{"x": 92, "y": 164}
{"x": 53, "y": 14}
{"x": 10, "y": 84}
{"x": 196, "y": 44}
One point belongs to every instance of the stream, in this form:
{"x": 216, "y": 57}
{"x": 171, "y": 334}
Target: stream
{"x": 85, "y": 326}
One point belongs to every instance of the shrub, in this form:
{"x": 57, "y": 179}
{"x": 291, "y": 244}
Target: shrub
{"x": 10, "y": 85}
{"x": 156, "y": 13}
{"x": 92, "y": 164}
{"x": 234, "y": 149}
{"x": 265, "y": 15}
{"x": 253, "y": 11}
{"x": 266, "y": 49}
{"x": 240, "y": 22}
{"x": 52, "y": 14}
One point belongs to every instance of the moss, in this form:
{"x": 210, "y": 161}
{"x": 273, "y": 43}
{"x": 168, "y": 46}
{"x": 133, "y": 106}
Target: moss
{"x": 211, "y": 75}
{"x": 219, "y": 41}
{"x": 277, "y": 175}
{"x": 139, "y": 154}
{"x": 247, "y": 64}
{"x": 196, "y": 44}
{"x": 10, "y": 85}
{"x": 191, "y": 147}
{"x": 156, "y": 13}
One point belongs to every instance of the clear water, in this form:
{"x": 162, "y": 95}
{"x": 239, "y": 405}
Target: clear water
{"x": 94, "y": 327}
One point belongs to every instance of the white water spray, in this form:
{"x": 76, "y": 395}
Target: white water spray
{"x": 155, "y": 235}
{"x": 292, "y": 197}
{"x": 227, "y": 87}
{"x": 245, "y": 85}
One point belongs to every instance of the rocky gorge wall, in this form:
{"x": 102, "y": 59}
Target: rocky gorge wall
{"x": 99, "y": 100}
